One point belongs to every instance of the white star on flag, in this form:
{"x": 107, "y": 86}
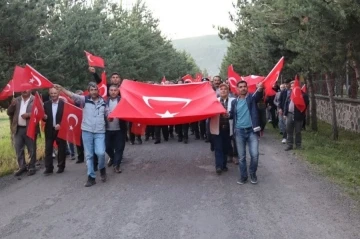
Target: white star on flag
{"x": 167, "y": 114}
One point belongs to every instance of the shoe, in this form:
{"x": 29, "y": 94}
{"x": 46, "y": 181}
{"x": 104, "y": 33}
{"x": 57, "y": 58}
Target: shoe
{"x": 157, "y": 142}
{"x": 117, "y": 169}
{"x": 31, "y": 172}
{"x": 218, "y": 171}
{"x": 283, "y": 141}
{"x": 79, "y": 161}
{"x": 48, "y": 172}
{"x": 253, "y": 178}
{"x": 72, "y": 157}
{"x": 110, "y": 162}
{"x": 185, "y": 141}
{"x": 132, "y": 142}
{"x": 139, "y": 141}
{"x": 60, "y": 170}
{"x": 180, "y": 140}
{"x": 288, "y": 148}
{"x": 225, "y": 169}
{"x": 91, "y": 181}
{"x": 103, "y": 174}
{"x": 242, "y": 181}
{"x": 19, "y": 172}
{"x": 171, "y": 136}
{"x": 146, "y": 138}
{"x": 197, "y": 137}
{"x": 166, "y": 140}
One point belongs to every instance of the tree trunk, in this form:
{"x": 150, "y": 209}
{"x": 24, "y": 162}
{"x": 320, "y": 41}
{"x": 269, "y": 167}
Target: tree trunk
{"x": 335, "y": 132}
{"x": 354, "y": 82}
{"x": 313, "y": 115}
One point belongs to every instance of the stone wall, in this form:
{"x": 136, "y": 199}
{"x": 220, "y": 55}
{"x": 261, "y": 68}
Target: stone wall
{"x": 347, "y": 112}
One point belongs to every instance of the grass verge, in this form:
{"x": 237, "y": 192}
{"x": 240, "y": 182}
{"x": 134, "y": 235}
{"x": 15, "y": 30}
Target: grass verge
{"x": 8, "y": 162}
{"x": 338, "y": 160}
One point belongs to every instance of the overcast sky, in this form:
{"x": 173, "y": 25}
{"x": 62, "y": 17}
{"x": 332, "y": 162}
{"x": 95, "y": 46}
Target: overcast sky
{"x": 189, "y": 18}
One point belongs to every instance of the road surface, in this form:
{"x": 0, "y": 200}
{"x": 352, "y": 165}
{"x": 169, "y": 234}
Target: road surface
{"x": 171, "y": 190}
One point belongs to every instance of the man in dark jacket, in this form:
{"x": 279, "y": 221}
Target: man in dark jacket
{"x": 281, "y": 108}
{"x": 54, "y": 109}
{"x": 294, "y": 121}
{"x": 246, "y": 125}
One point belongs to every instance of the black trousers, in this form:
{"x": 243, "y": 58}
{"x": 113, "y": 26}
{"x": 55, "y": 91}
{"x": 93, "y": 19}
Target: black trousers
{"x": 202, "y": 125}
{"x": 183, "y": 131}
{"x": 195, "y": 128}
{"x": 171, "y": 130}
{"x": 61, "y": 156}
{"x": 164, "y": 130}
{"x": 149, "y": 132}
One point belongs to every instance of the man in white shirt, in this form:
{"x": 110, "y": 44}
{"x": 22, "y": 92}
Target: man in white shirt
{"x": 19, "y": 112}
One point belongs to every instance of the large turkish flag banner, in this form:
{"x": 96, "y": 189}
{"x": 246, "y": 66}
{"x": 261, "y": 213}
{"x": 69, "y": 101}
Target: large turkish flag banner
{"x": 166, "y": 104}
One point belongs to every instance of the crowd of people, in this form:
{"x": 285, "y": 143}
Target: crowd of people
{"x": 228, "y": 134}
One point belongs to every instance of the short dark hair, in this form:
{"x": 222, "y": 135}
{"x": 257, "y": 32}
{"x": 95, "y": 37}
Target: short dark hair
{"x": 241, "y": 82}
{"x": 115, "y": 73}
{"x": 218, "y": 77}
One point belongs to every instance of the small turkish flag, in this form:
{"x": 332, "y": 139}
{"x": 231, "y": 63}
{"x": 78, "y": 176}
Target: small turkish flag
{"x": 187, "y": 78}
{"x": 297, "y": 96}
{"x": 272, "y": 77}
{"x": 166, "y": 104}
{"x": 233, "y": 79}
{"x": 138, "y": 129}
{"x": 198, "y": 77}
{"x": 29, "y": 79}
{"x": 7, "y": 90}
{"x": 252, "y": 82}
{"x": 70, "y": 126}
{"x": 37, "y": 113}
{"x": 94, "y": 60}
{"x": 103, "y": 85}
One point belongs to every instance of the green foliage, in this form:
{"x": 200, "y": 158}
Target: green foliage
{"x": 51, "y": 35}
{"x": 314, "y": 36}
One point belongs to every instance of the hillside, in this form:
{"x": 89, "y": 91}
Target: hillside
{"x": 208, "y": 51}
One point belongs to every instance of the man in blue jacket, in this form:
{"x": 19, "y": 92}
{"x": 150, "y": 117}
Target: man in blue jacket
{"x": 246, "y": 125}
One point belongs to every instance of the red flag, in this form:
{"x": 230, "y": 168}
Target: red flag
{"x": 233, "y": 79}
{"x": 138, "y": 129}
{"x": 66, "y": 98}
{"x": 70, "y": 126}
{"x": 163, "y": 80}
{"x": 187, "y": 78}
{"x": 37, "y": 113}
{"x": 272, "y": 77}
{"x": 297, "y": 97}
{"x": 94, "y": 60}
{"x": 198, "y": 77}
{"x": 166, "y": 104}
{"x": 252, "y": 82}
{"x": 29, "y": 79}
{"x": 304, "y": 88}
{"x": 103, "y": 85}
{"x": 7, "y": 90}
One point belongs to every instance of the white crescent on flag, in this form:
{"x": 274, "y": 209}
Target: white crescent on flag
{"x": 75, "y": 118}
{"x": 35, "y": 78}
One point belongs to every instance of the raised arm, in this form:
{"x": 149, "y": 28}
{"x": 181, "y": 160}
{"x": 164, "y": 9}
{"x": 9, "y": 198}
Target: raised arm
{"x": 95, "y": 75}
{"x": 78, "y": 99}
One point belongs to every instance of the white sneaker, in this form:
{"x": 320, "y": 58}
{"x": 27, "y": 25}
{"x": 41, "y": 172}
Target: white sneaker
{"x": 283, "y": 141}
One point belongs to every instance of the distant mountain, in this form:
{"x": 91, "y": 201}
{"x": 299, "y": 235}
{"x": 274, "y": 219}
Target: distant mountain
{"x": 208, "y": 51}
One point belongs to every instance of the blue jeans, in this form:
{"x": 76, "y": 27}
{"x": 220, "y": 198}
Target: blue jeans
{"x": 94, "y": 143}
{"x": 221, "y": 145}
{"x": 115, "y": 145}
{"x": 244, "y": 136}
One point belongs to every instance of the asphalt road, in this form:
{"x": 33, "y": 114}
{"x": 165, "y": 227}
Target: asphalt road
{"x": 171, "y": 191}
